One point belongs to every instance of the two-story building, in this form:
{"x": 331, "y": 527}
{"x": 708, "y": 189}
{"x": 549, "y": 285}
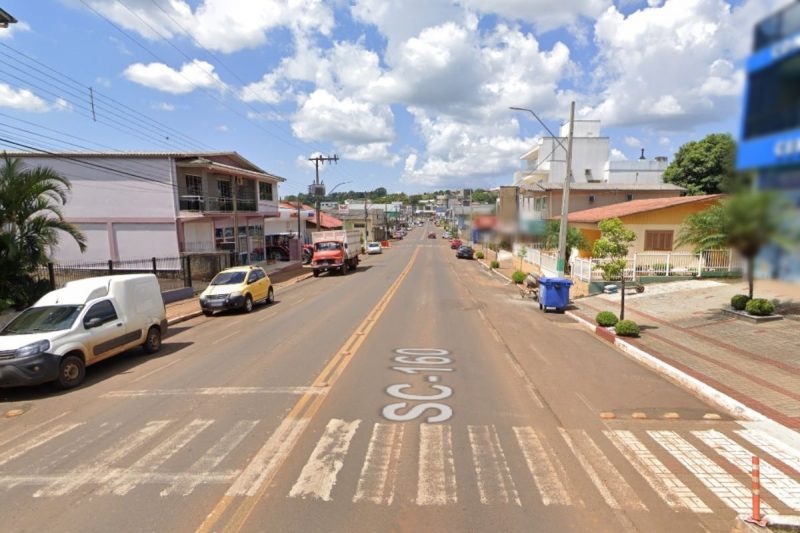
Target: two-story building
{"x": 162, "y": 204}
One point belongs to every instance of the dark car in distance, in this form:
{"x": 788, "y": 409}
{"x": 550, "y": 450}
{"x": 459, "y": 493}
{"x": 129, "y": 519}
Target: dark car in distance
{"x": 431, "y": 235}
{"x": 464, "y": 252}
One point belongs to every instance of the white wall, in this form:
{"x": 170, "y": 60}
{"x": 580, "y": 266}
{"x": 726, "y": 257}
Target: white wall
{"x": 635, "y": 171}
{"x": 140, "y": 241}
{"x": 98, "y": 248}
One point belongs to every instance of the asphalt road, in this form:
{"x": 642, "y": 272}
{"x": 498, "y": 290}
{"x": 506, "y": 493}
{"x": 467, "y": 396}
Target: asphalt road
{"x": 419, "y": 393}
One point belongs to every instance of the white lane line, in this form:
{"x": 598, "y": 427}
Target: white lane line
{"x": 495, "y": 484}
{"x": 213, "y": 391}
{"x": 159, "y": 369}
{"x": 212, "y": 458}
{"x": 319, "y": 474}
{"x": 545, "y": 467}
{"x": 735, "y": 495}
{"x": 671, "y": 489}
{"x": 779, "y": 484}
{"x": 772, "y": 446}
{"x": 615, "y": 490}
{"x": 63, "y": 454}
{"x": 228, "y": 336}
{"x": 376, "y": 483}
{"x": 437, "y": 474}
{"x": 31, "y": 429}
{"x": 100, "y": 467}
{"x": 31, "y": 444}
{"x": 268, "y": 458}
{"x": 122, "y": 484}
{"x": 267, "y": 316}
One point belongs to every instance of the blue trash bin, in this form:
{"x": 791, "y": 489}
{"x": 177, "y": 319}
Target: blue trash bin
{"x": 554, "y": 293}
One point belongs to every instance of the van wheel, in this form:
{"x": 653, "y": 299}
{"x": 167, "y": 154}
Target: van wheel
{"x": 270, "y": 296}
{"x": 152, "y": 343}
{"x": 248, "y": 303}
{"x": 71, "y": 372}
{"x": 207, "y": 313}
{"x": 316, "y": 273}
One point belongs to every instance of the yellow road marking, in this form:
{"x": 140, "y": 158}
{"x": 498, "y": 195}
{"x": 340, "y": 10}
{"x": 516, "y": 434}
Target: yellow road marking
{"x": 306, "y": 407}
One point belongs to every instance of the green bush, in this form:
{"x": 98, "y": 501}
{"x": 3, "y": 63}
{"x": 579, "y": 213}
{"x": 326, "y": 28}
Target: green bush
{"x": 659, "y": 269}
{"x": 479, "y": 255}
{"x": 495, "y": 264}
{"x": 739, "y": 301}
{"x": 627, "y": 328}
{"x": 606, "y": 319}
{"x": 518, "y": 276}
{"x": 759, "y": 307}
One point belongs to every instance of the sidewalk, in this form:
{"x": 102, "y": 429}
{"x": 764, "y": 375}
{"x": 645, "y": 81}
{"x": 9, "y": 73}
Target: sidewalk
{"x": 281, "y": 274}
{"x": 683, "y": 326}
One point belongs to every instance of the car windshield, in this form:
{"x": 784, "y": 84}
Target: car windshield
{"x": 326, "y": 246}
{"x": 228, "y": 278}
{"x": 41, "y": 319}
{"x": 374, "y": 245}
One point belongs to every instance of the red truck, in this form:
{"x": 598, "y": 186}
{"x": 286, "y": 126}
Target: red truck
{"x": 335, "y": 250}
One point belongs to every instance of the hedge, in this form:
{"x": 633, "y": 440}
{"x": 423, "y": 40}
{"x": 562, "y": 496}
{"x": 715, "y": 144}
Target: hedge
{"x": 760, "y": 307}
{"x": 627, "y": 328}
{"x": 518, "y": 276}
{"x": 739, "y": 301}
{"x": 606, "y": 319}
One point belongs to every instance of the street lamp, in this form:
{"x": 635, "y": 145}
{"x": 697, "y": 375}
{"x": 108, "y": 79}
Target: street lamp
{"x": 562, "y": 230}
{"x": 334, "y": 187}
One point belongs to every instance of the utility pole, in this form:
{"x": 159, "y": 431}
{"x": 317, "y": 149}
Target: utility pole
{"x": 562, "y": 230}
{"x": 366, "y": 214}
{"x": 317, "y": 189}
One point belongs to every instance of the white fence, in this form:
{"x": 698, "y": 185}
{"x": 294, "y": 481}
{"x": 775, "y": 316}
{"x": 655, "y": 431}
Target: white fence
{"x": 646, "y": 264}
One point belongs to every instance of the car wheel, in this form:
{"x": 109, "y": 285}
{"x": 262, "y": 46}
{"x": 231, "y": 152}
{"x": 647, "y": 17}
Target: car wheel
{"x": 71, "y": 372}
{"x": 207, "y": 313}
{"x": 316, "y": 273}
{"x": 270, "y": 296}
{"x": 248, "y": 303}
{"x": 152, "y": 343}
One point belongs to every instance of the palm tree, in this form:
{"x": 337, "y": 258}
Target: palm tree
{"x": 745, "y": 222}
{"x": 30, "y": 214}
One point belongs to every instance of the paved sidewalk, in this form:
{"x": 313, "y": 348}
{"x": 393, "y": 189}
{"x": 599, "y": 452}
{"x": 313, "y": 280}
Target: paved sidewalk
{"x": 683, "y": 325}
{"x": 281, "y": 276}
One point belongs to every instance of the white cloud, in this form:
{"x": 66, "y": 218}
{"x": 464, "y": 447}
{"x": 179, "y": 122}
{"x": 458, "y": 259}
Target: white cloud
{"x": 544, "y": 14}
{"x": 164, "y": 106}
{"x": 220, "y": 25}
{"x": 197, "y": 74}
{"x": 375, "y": 152}
{"x": 264, "y": 91}
{"x": 632, "y": 141}
{"x": 6, "y": 34}
{"x": 103, "y": 82}
{"x": 617, "y": 155}
{"x": 25, "y": 100}
{"x": 323, "y": 116}
{"x": 222, "y": 128}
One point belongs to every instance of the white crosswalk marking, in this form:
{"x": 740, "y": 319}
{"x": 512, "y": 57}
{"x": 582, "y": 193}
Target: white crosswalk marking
{"x": 614, "y": 490}
{"x": 100, "y": 466}
{"x": 436, "y": 474}
{"x": 31, "y": 444}
{"x": 378, "y": 474}
{"x": 545, "y": 467}
{"x": 714, "y": 477}
{"x": 779, "y": 484}
{"x": 495, "y": 484}
{"x": 212, "y": 458}
{"x": 772, "y": 446}
{"x": 122, "y": 483}
{"x": 671, "y": 489}
{"x": 319, "y": 474}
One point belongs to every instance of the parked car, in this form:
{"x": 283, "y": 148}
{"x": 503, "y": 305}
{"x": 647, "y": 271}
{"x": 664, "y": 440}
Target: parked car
{"x": 432, "y": 235}
{"x": 455, "y": 243}
{"x": 374, "y": 248}
{"x": 237, "y": 288}
{"x": 465, "y": 252}
{"x": 446, "y": 235}
{"x": 82, "y": 323}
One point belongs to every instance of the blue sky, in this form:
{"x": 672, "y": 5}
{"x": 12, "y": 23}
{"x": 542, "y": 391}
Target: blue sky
{"x": 412, "y": 95}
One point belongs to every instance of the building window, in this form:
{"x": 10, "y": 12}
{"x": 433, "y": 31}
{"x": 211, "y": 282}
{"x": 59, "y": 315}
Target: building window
{"x": 264, "y": 191}
{"x": 194, "y": 185}
{"x": 658, "y": 241}
{"x": 224, "y": 189}
{"x": 629, "y": 196}
{"x": 591, "y": 198}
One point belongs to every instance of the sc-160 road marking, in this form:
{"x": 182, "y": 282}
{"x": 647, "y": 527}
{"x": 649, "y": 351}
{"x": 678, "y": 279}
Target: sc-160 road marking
{"x": 425, "y": 361}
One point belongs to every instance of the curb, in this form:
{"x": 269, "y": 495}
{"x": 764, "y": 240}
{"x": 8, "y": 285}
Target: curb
{"x": 783, "y": 522}
{"x": 731, "y": 406}
{"x": 493, "y": 271}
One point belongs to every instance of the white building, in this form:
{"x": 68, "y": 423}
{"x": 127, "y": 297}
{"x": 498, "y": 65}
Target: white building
{"x": 141, "y": 205}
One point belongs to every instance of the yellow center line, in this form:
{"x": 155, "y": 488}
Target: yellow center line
{"x": 305, "y": 408}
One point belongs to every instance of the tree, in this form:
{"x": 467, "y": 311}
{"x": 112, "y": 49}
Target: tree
{"x": 745, "y": 222}
{"x": 705, "y": 166}
{"x": 575, "y": 238}
{"x": 612, "y": 246}
{"x": 30, "y": 221}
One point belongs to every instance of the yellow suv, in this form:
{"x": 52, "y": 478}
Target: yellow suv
{"x": 237, "y": 288}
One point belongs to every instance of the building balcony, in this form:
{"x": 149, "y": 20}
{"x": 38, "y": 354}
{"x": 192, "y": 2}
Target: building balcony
{"x": 216, "y": 204}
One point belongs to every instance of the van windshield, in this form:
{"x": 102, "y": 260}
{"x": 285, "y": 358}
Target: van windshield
{"x": 41, "y": 319}
{"x": 327, "y": 246}
{"x": 228, "y": 278}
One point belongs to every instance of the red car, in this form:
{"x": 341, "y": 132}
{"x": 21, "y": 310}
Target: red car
{"x": 455, "y": 243}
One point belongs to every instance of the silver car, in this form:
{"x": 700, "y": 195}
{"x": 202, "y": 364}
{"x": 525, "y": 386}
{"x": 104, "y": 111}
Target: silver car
{"x": 374, "y": 248}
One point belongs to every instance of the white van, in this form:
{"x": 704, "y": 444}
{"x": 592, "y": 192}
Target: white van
{"x": 85, "y": 322}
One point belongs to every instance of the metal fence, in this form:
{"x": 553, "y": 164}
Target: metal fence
{"x": 668, "y": 264}
{"x": 195, "y": 270}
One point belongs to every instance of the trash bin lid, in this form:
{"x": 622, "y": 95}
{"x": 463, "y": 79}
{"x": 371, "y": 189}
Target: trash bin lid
{"x": 553, "y": 281}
